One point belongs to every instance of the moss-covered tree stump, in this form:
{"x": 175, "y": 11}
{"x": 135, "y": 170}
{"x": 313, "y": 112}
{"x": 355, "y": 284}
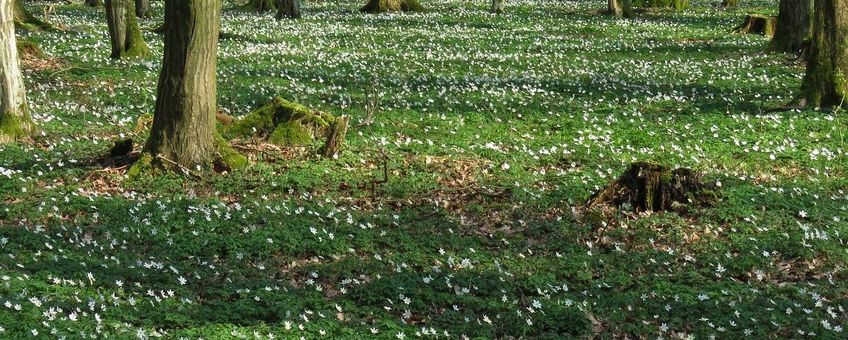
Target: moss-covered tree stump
{"x": 674, "y": 4}
{"x": 25, "y": 20}
{"x": 653, "y": 187}
{"x": 335, "y": 137}
{"x": 381, "y": 6}
{"x": 283, "y": 123}
{"x": 758, "y": 24}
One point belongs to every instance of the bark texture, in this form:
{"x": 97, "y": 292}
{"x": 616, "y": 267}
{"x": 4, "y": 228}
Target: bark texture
{"x": 381, "y": 6}
{"x": 15, "y": 121}
{"x": 497, "y": 6}
{"x": 335, "y": 138}
{"x": 142, "y": 8}
{"x": 620, "y": 8}
{"x": 124, "y": 33}
{"x": 825, "y": 83}
{"x": 183, "y": 129}
{"x": 288, "y": 9}
{"x": 793, "y": 26}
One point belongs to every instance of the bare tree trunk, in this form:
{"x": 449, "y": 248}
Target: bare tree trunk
{"x": 288, "y": 9}
{"x": 142, "y": 8}
{"x": 497, "y": 6}
{"x": 620, "y": 8}
{"x": 124, "y": 33}
{"x": 826, "y": 81}
{"x": 15, "y": 121}
{"x": 183, "y": 128}
{"x": 793, "y": 25}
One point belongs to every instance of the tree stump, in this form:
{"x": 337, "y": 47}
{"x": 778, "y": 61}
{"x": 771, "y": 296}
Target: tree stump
{"x": 380, "y": 6}
{"x": 288, "y": 9}
{"x": 497, "y": 6}
{"x": 336, "y": 137}
{"x": 620, "y": 9}
{"x": 653, "y": 187}
{"x": 674, "y": 4}
{"x": 283, "y": 123}
{"x": 758, "y": 24}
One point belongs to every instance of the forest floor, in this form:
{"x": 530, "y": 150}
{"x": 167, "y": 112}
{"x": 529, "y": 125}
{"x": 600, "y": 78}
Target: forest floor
{"x": 494, "y": 130}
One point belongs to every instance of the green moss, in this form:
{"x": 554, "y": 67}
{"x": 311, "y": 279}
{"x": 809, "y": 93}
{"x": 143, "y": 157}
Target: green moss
{"x": 135, "y": 45}
{"x": 229, "y": 156}
{"x": 675, "y": 4}
{"x": 26, "y": 47}
{"x": 14, "y": 127}
{"x": 283, "y": 123}
{"x": 290, "y": 133}
{"x": 142, "y": 166}
{"x": 382, "y": 6}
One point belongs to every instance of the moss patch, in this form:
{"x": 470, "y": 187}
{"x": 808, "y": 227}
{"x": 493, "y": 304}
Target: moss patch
{"x": 229, "y": 157}
{"x": 282, "y": 123}
{"x": 381, "y": 6}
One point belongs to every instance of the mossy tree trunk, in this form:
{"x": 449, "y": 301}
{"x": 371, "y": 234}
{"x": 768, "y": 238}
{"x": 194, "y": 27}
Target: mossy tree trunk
{"x": 142, "y": 8}
{"x": 15, "y": 121}
{"x": 620, "y": 8}
{"x": 24, "y": 19}
{"x": 124, "y": 33}
{"x": 288, "y": 9}
{"x": 94, "y": 3}
{"x": 497, "y": 6}
{"x": 730, "y": 3}
{"x": 183, "y": 129}
{"x": 381, "y": 6}
{"x": 826, "y": 81}
{"x": 793, "y": 26}
{"x": 261, "y": 5}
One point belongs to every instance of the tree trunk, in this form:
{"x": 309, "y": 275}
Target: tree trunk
{"x": 826, "y": 81}
{"x": 380, "y": 6}
{"x": 15, "y": 121}
{"x": 497, "y": 6}
{"x": 793, "y": 25}
{"x": 730, "y": 3}
{"x": 288, "y": 9}
{"x": 124, "y": 33}
{"x": 93, "y": 3}
{"x": 142, "y": 8}
{"x": 620, "y": 8}
{"x": 183, "y": 130}
{"x": 260, "y": 5}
